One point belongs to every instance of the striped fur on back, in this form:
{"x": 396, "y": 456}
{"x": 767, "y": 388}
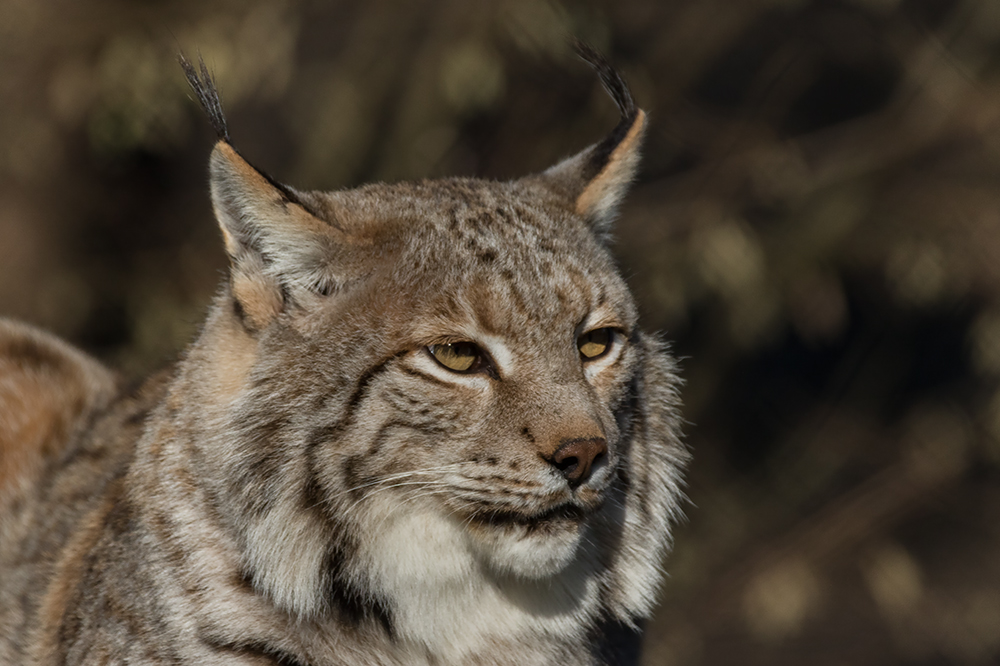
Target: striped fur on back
{"x": 420, "y": 426}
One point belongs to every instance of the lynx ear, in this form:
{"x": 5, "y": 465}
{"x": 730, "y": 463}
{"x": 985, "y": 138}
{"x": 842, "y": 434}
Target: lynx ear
{"x": 279, "y": 249}
{"x": 595, "y": 180}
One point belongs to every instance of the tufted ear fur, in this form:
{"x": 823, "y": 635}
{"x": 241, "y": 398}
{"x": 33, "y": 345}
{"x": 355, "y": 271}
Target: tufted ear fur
{"x": 281, "y": 251}
{"x": 595, "y": 180}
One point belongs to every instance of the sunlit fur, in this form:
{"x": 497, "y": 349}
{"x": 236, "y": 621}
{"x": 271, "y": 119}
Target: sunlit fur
{"x": 310, "y": 486}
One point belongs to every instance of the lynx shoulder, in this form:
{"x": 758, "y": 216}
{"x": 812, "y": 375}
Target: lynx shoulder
{"x": 420, "y": 426}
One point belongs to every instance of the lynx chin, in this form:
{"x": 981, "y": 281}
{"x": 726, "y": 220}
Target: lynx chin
{"x": 420, "y": 425}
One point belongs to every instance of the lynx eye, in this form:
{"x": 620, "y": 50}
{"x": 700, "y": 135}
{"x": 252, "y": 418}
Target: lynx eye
{"x": 594, "y": 343}
{"x": 457, "y": 356}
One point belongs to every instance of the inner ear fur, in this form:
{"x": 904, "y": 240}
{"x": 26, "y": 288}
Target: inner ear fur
{"x": 279, "y": 250}
{"x": 594, "y": 181}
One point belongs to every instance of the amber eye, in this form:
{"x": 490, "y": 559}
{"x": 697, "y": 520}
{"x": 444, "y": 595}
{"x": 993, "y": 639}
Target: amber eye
{"x": 457, "y": 356}
{"x": 594, "y": 343}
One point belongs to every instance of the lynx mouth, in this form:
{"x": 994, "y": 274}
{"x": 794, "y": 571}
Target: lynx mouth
{"x": 566, "y": 514}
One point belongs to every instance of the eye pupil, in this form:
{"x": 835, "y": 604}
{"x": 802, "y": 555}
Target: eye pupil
{"x": 456, "y": 356}
{"x": 594, "y": 343}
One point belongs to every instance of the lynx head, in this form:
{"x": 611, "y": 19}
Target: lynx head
{"x": 421, "y": 385}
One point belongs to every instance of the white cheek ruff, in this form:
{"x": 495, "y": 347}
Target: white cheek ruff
{"x": 450, "y": 596}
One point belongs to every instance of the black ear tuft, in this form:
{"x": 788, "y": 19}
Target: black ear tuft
{"x": 207, "y": 93}
{"x": 593, "y": 182}
{"x": 611, "y": 78}
{"x": 615, "y": 85}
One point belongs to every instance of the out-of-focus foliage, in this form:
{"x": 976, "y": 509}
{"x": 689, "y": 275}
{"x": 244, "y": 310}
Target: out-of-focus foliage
{"x": 817, "y": 227}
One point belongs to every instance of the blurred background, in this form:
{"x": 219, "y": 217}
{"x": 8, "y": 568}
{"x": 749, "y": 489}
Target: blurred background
{"x": 816, "y": 227}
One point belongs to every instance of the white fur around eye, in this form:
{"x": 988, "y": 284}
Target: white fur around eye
{"x": 422, "y": 361}
{"x": 593, "y": 367}
{"x": 497, "y": 351}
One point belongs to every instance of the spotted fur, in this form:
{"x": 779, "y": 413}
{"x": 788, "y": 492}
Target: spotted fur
{"x": 309, "y": 486}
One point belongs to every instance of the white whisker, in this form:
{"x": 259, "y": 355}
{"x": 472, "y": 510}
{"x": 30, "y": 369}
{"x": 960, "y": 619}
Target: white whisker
{"x": 388, "y": 478}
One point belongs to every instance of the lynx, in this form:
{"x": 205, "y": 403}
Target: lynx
{"x": 420, "y": 426}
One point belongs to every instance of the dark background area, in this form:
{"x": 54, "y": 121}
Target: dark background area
{"x": 816, "y": 227}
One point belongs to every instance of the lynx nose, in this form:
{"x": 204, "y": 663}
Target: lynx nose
{"x": 575, "y": 458}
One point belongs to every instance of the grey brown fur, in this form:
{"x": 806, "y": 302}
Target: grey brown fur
{"x": 312, "y": 485}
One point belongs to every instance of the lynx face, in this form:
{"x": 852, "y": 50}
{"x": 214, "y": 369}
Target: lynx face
{"x": 494, "y": 390}
{"x": 471, "y": 387}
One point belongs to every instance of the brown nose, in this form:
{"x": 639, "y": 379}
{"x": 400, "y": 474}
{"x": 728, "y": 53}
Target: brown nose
{"x": 575, "y": 458}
